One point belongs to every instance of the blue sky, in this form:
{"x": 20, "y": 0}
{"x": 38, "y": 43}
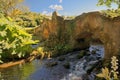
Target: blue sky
{"x": 64, "y": 7}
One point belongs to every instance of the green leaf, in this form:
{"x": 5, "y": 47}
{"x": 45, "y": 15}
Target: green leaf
{"x": 14, "y": 52}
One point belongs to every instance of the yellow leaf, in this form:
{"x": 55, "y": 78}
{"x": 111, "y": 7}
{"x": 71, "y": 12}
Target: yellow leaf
{"x": 100, "y": 75}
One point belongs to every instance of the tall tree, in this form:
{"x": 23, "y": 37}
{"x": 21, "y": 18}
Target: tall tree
{"x": 8, "y": 6}
{"x": 109, "y": 2}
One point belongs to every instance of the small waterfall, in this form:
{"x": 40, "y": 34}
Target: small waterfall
{"x": 79, "y": 71}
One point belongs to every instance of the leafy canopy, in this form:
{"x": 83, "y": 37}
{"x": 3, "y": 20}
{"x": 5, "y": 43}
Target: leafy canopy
{"x": 108, "y": 3}
{"x": 9, "y": 7}
{"x": 112, "y": 13}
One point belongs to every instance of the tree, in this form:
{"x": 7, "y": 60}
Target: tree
{"x": 112, "y": 13}
{"x": 108, "y": 3}
{"x": 9, "y": 6}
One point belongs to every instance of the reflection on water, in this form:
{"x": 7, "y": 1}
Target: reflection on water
{"x": 20, "y": 72}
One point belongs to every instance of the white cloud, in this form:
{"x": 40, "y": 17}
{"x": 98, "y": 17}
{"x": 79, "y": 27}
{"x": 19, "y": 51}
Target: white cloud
{"x": 56, "y": 7}
{"x": 44, "y": 12}
{"x": 60, "y": 1}
{"x": 47, "y": 13}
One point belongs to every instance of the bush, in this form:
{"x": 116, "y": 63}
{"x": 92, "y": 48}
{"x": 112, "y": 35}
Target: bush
{"x": 57, "y": 45}
{"x": 29, "y": 19}
{"x": 15, "y": 42}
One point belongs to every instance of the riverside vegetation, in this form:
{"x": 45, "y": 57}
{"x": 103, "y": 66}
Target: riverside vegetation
{"x": 15, "y": 42}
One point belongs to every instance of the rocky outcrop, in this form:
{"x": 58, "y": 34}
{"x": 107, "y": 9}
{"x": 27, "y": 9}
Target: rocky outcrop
{"x": 100, "y": 27}
{"x": 50, "y": 27}
{"x": 85, "y": 28}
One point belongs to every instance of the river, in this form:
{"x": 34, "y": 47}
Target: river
{"x": 39, "y": 69}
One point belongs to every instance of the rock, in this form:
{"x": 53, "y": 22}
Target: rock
{"x": 83, "y": 29}
{"x": 97, "y": 26}
{"x": 76, "y": 78}
{"x": 81, "y": 54}
{"x": 66, "y": 65}
{"x": 90, "y": 66}
{"x": 91, "y": 58}
{"x": 93, "y": 52}
{"x": 51, "y": 64}
{"x": 61, "y": 58}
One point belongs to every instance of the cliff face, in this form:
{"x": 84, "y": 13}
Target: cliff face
{"x": 83, "y": 29}
{"x": 50, "y": 27}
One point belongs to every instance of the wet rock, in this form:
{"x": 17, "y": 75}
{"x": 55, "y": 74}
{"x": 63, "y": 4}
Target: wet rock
{"x": 91, "y": 58}
{"x": 90, "y": 66}
{"x": 61, "y": 58}
{"x": 51, "y": 64}
{"x": 76, "y": 78}
{"x": 93, "y": 52}
{"x": 88, "y": 54}
{"x": 66, "y": 65}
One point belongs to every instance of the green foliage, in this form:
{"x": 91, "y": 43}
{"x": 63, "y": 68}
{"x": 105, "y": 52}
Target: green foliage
{"x": 15, "y": 42}
{"x": 9, "y": 6}
{"x": 108, "y": 3}
{"x": 43, "y": 53}
{"x": 29, "y": 19}
{"x": 111, "y": 13}
{"x": 57, "y": 44}
{"x": 110, "y": 74}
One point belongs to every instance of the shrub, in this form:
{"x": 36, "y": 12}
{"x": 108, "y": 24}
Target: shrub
{"x": 15, "y": 42}
{"x": 57, "y": 45}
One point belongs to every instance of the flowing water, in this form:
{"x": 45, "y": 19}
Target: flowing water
{"x": 39, "y": 69}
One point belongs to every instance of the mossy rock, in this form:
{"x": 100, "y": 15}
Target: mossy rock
{"x": 90, "y": 69}
{"x": 52, "y": 64}
{"x": 61, "y": 58}
{"x": 81, "y": 54}
{"x": 66, "y": 65}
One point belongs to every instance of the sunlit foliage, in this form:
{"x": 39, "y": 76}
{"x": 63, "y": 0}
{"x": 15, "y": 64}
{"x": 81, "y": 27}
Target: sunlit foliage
{"x": 7, "y": 6}
{"x": 15, "y": 42}
{"x": 108, "y": 3}
{"x": 112, "y": 13}
{"x": 30, "y": 19}
{"x": 110, "y": 74}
